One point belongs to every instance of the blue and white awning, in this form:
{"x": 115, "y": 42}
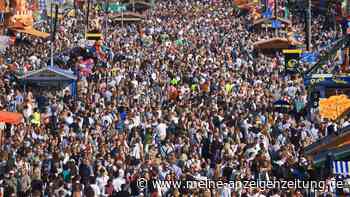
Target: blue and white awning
{"x": 341, "y": 168}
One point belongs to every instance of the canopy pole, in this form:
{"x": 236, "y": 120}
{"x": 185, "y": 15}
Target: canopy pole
{"x": 122, "y": 18}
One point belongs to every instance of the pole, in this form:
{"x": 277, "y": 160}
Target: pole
{"x": 106, "y": 17}
{"x": 87, "y": 17}
{"x": 133, "y": 5}
{"x": 309, "y": 26}
{"x": 122, "y": 18}
{"x": 52, "y": 35}
{"x": 276, "y": 17}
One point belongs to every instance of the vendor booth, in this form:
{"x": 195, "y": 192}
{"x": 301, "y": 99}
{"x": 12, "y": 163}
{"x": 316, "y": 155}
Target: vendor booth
{"x": 10, "y": 118}
{"x": 50, "y": 78}
{"x": 328, "y": 84}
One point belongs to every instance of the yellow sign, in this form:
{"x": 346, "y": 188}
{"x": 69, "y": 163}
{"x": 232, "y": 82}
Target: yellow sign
{"x": 287, "y": 51}
{"x": 334, "y": 106}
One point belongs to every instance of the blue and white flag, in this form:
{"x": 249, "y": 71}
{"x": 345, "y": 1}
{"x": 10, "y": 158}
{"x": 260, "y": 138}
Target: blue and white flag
{"x": 341, "y": 168}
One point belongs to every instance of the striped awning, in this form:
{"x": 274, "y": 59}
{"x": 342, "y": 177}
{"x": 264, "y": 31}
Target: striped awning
{"x": 341, "y": 168}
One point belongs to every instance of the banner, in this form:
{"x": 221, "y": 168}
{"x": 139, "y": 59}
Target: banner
{"x": 292, "y": 59}
{"x": 328, "y": 80}
{"x": 308, "y": 57}
{"x": 333, "y": 107}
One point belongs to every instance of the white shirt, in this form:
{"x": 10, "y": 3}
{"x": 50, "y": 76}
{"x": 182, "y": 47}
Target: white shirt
{"x": 102, "y": 182}
{"x": 117, "y": 183}
{"x": 161, "y": 130}
{"x": 69, "y": 120}
{"x": 96, "y": 190}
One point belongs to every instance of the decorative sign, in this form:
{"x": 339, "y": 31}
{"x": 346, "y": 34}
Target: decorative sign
{"x": 292, "y": 58}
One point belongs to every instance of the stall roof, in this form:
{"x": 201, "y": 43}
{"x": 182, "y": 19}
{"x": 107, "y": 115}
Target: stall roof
{"x": 128, "y": 16}
{"x": 273, "y": 43}
{"x": 247, "y": 6}
{"x": 338, "y": 144}
{"x": 266, "y": 20}
{"x": 31, "y": 31}
{"x": 49, "y": 73}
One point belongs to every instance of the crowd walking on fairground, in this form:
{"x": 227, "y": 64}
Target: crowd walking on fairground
{"x": 181, "y": 95}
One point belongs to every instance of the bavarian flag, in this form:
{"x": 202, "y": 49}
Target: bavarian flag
{"x": 292, "y": 59}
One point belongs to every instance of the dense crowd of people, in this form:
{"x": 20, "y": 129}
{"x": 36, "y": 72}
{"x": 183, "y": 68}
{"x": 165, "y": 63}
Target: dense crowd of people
{"x": 181, "y": 95}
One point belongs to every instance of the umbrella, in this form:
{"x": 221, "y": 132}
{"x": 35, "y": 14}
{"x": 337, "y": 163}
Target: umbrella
{"x": 281, "y": 103}
{"x": 10, "y": 117}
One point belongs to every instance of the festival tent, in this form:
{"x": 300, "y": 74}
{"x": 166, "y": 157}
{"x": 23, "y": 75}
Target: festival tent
{"x": 50, "y": 77}
{"x": 10, "y": 117}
